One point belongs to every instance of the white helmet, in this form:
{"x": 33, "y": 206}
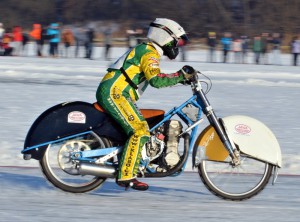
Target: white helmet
{"x": 166, "y": 33}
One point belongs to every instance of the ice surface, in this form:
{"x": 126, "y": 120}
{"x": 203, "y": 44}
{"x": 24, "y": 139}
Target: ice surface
{"x": 30, "y": 85}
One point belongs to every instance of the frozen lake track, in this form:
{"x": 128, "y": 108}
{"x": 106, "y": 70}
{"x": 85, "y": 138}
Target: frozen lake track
{"x": 26, "y": 195}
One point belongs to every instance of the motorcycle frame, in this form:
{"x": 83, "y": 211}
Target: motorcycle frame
{"x": 108, "y": 153}
{"x": 198, "y": 100}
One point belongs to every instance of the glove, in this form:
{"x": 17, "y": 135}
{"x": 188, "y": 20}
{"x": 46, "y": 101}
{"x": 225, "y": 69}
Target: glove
{"x": 188, "y": 72}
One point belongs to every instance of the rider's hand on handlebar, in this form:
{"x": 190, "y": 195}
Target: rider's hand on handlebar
{"x": 188, "y": 72}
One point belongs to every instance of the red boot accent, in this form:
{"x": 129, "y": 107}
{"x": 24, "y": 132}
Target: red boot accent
{"x": 134, "y": 184}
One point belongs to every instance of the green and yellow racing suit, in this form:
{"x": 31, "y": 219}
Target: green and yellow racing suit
{"x": 117, "y": 95}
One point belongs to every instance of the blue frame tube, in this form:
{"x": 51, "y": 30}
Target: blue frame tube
{"x": 53, "y": 141}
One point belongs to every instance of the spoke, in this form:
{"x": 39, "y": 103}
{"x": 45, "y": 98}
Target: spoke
{"x": 226, "y": 180}
{"x": 62, "y": 167}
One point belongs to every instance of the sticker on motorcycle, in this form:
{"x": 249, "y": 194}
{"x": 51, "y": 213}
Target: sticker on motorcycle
{"x": 242, "y": 129}
{"x": 76, "y": 117}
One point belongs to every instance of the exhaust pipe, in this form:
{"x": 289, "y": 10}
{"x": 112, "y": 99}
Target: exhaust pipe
{"x": 97, "y": 170}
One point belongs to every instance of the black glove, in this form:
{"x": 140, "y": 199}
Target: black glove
{"x": 188, "y": 72}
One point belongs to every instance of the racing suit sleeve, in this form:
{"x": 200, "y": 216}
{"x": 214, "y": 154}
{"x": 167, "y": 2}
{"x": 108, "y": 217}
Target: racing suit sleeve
{"x": 151, "y": 69}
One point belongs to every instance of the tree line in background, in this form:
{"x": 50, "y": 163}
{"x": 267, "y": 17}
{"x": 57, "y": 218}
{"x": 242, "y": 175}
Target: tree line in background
{"x": 198, "y": 17}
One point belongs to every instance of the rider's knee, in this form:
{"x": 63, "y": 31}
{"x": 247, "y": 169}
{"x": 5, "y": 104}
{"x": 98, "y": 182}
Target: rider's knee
{"x": 142, "y": 129}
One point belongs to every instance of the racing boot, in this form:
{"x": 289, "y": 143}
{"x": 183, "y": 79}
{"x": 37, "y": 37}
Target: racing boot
{"x": 134, "y": 184}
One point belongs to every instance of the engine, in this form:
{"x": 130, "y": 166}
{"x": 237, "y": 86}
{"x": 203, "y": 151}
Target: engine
{"x": 162, "y": 148}
{"x": 173, "y": 129}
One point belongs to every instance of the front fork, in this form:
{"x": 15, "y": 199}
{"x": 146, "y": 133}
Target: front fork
{"x": 230, "y": 147}
{"x": 213, "y": 120}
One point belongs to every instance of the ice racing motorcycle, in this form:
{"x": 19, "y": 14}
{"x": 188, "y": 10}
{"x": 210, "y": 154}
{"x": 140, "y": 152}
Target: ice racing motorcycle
{"x": 78, "y": 146}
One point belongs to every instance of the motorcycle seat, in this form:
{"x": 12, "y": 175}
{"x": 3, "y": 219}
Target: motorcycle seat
{"x": 153, "y": 116}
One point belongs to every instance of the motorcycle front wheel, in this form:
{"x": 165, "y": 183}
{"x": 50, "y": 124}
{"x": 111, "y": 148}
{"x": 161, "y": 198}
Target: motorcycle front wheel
{"x": 235, "y": 183}
{"x": 62, "y": 171}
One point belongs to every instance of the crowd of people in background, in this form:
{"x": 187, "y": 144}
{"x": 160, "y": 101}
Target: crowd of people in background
{"x": 262, "y": 46}
{"x": 265, "y": 47}
{"x": 13, "y": 41}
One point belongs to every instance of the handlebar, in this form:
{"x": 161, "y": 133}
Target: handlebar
{"x": 195, "y": 82}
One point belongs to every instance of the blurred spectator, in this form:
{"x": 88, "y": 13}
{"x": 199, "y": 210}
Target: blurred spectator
{"x": 237, "y": 49}
{"x": 44, "y": 38}
{"x": 24, "y": 43}
{"x": 182, "y": 47}
{"x": 67, "y": 39}
{"x": 245, "y": 46}
{"x": 295, "y": 49}
{"x": 131, "y": 38}
{"x": 80, "y": 39}
{"x": 276, "y": 42}
{"x": 257, "y": 47}
{"x": 53, "y": 34}
{"x": 211, "y": 43}
{"x": 264, "y": 47}
{"x": 2, "y": 30}
{"x": 89, "y": 42}
{"x": 107, "y": 42}
{"x": 7, "y": 39}
{"x": 226, "y": 42}
{"x": 36, "y": 34}
{"x": 17, "y": 40}
{"x": 139, "y": 35}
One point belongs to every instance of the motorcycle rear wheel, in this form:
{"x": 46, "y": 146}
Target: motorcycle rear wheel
{"x": 235, "y": 183}
{"x": 62, "y": 171}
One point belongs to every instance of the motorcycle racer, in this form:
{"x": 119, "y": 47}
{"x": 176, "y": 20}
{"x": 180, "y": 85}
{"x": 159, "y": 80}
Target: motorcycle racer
{"x": 125, "y": 82}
